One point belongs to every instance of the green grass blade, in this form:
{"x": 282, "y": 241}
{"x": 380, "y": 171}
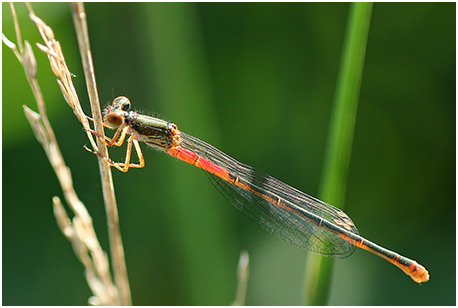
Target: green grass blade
{"x": 339, "y": 143}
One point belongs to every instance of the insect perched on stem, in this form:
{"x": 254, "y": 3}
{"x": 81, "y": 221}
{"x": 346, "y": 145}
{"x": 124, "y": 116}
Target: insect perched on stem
{"x": 292, "y": 215}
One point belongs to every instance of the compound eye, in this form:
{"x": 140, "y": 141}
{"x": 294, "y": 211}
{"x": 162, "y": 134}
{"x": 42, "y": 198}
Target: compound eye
{"x": 123, "y": 102}
{"x": 114, "y": 119}
{"x": 126, "y": 105}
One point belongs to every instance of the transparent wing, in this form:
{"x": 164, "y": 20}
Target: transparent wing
{"x": 292, "y": 227}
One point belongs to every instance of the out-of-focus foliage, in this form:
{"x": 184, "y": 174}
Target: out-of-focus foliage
{"x": 257, "y": 81}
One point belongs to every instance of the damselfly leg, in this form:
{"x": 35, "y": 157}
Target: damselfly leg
{"x": 122, "y": 130}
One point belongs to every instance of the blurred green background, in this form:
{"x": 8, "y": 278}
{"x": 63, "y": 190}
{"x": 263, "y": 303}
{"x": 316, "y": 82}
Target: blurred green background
{"x": 257, "y": 81}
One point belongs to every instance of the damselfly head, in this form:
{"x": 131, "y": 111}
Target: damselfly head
{"x": 114, "y": 114}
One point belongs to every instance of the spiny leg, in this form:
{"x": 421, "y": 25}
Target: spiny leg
{"x": 141, "y": 160}
{"x": 112, "y": 141}
{"x": 126, "y": 165}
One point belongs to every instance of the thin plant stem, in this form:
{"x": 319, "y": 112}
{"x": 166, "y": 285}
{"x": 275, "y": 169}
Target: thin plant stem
{"x": 80, "y": 230}
{"x": 243, "y": 273}
{"x": 117, "y": 250}
{"x": 338, "y": 149}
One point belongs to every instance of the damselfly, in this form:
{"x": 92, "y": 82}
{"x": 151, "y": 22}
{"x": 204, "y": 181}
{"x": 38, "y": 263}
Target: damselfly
{"x": 292, "y": 215}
